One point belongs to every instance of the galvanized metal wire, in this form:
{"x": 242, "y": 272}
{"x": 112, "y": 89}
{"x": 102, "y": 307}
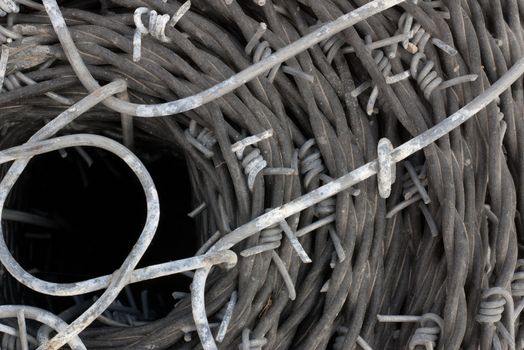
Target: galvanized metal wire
{"x": 283, "y": 111}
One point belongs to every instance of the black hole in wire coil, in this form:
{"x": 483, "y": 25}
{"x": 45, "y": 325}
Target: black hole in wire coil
{"x": 94, "y": 213}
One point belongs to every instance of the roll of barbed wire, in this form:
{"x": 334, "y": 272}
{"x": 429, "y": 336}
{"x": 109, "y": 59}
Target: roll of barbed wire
{"x": 200, "y": 174}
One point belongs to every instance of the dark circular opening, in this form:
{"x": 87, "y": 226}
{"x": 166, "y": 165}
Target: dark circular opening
{"x": 89, "y": 210}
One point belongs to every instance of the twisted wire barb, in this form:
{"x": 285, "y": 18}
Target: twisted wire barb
{"x": 201, "y": 138}
{"x": 418, "y": 37}
{"x": 333, "y": 192}
{"x": 253, "y": 162}
{"x": 156, "y": 26}
{"x": 427, "y": 335}
{"x": 219, "y": 90}
{"x": 270, "y": 239}
{"x": 427, "y": 78}
{"x": 421, "y": 68}
{"x": 415, "y": 191}
{"x": 332, "y": 46}
{"x": 8, "y": 6}
{"x": 384, "y": 65}
{"x": 403, "y": 151}
{"x": 495, "y": 303}
{"x": 262, "y": 50}
{"x": 311, "y": 167}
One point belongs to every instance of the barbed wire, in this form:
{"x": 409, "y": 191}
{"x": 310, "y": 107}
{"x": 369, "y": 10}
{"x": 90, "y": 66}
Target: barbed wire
{"x": 239, "y": 118}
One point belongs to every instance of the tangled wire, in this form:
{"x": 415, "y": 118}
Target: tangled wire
{"x": 283, "y": 110}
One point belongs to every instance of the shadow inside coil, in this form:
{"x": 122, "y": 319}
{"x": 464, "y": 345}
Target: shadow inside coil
{"x": 94, "y": 211}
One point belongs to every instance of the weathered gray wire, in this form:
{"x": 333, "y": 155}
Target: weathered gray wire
{"x": 431, "y": 111}
{"x": 336, "y": 186}
{"x": 42, "y": 316}
{"x": 219, "y": 90}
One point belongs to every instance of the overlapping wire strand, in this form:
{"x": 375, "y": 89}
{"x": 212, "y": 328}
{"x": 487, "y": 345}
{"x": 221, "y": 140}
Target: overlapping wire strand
{"x": 450, "y": 262}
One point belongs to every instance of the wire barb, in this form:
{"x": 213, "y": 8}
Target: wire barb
{"x": 226, "y": 317}
{"x": 384, "y": 65}
{"x": 156, "y": 26}
{"x": 8, "y": 6}
{"x": 253, "y": 162}
{"x": 201, "y": 138}
{"x": 495, "y": 302}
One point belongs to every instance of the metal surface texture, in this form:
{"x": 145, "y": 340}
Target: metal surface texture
{"x": 282, "y": 112}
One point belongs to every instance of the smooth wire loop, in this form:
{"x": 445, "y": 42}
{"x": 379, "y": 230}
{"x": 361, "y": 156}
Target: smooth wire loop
{"x": 386, "y": 168}
{"x": 27, "y": 151}
{"x": 16, "y": 170}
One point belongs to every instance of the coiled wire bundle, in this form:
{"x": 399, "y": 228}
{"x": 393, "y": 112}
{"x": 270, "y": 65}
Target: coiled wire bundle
{"x": 267, "y": 106}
